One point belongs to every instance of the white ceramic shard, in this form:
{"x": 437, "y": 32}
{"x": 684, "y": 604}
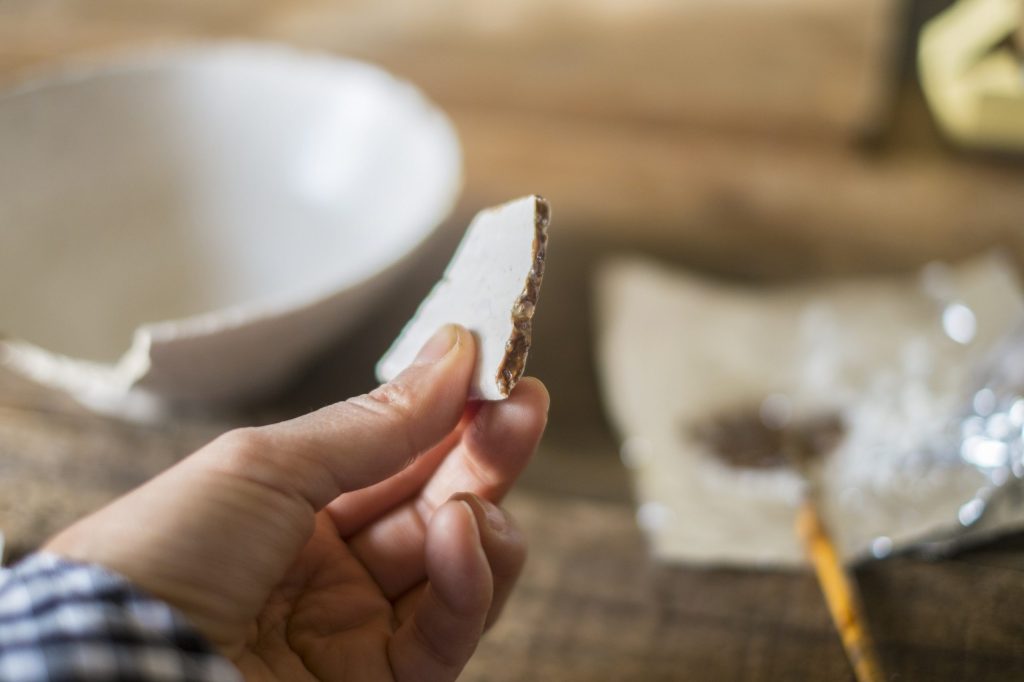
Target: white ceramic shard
{"x": 880, "y": 353}
{"x": 490, "y": 287}
{"x": 224, "y": 210}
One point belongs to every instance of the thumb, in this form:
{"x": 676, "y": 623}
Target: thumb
{"x": 353, "y": 444}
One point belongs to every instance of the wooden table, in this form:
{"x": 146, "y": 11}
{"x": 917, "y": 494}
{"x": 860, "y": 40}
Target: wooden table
{"x": 591, "y": 605}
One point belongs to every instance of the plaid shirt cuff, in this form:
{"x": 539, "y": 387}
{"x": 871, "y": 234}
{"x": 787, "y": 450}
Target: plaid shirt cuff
{"x": 61, "y": 621}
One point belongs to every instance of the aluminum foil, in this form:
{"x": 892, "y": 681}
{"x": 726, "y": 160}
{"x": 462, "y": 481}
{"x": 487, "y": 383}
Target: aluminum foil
{"x": 990, "y": 434}
{"x": 924, "y": 371}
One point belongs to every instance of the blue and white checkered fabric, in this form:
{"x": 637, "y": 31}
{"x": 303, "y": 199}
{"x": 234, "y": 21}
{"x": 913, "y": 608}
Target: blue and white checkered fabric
{"x": 61, "y": 621}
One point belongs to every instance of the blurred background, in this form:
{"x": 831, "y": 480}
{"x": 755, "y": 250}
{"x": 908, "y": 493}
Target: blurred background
{"x": 757, "y": 140}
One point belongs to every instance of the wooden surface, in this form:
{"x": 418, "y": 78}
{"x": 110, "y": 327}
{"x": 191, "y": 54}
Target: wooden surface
{"x": 794, "y": 65}
{"x": 715, "y": 194}
{"x": 591, "y": 605}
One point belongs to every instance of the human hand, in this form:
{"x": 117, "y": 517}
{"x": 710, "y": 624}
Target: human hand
{"x": 360, "y": 541}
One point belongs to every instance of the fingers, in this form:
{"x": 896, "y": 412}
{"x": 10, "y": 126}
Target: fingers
{"x": 494, "y": 450}
{"x": 435, "y": 642}
{"x": 503, "y": 544}
{"x": 497, "y": 446}
{"x": 354, "y": 510}
{"x": 363, "y": 440}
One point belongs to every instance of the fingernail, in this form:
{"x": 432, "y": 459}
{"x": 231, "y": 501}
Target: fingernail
{"x": 439, "y": 345}
{"x": 472, "y": 512}
{"x": 493, "y": 516}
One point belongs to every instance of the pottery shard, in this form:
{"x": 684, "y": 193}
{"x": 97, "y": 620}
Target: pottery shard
{"x": 490, "y": 287}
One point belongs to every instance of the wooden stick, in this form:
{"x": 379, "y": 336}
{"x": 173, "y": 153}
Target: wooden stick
{"x": 840, "y": 593}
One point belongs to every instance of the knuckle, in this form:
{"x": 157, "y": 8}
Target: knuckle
{"x": 250, "y": 454}
{"x": 395, "y": 399}
{"x": 395, "y": 404}
{"x": 245, "y": 444}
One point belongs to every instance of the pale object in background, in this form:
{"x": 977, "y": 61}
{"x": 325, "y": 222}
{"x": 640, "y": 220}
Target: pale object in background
{"x": 491, "y": 288}
{"x": 892, "y": 356}
{"x": 227, "y": 210}
{"x": 973, "y": 80}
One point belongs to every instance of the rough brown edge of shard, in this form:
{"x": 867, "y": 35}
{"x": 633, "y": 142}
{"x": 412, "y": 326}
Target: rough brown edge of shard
{"x": 518, "y": 345}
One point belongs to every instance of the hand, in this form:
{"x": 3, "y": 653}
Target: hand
{"x": 360, "y": 541}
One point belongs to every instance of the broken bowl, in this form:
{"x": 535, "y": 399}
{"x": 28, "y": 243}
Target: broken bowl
{"x": 189, "y": 225}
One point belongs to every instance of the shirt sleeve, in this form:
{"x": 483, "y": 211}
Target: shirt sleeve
{"x": 67, "y": 622}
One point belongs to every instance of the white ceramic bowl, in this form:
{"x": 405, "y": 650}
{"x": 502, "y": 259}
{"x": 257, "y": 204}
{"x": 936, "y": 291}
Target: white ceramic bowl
{"x": 221, "y": 212}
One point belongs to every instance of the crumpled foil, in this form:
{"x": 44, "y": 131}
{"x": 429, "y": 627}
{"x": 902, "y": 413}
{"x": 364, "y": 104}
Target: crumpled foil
{"x": 925, "y": 372}
{"x": 989, "y": 436}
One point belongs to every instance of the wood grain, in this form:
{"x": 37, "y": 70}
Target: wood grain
{"x": 794, "y": 65}
{"x": 592, "y": 607}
